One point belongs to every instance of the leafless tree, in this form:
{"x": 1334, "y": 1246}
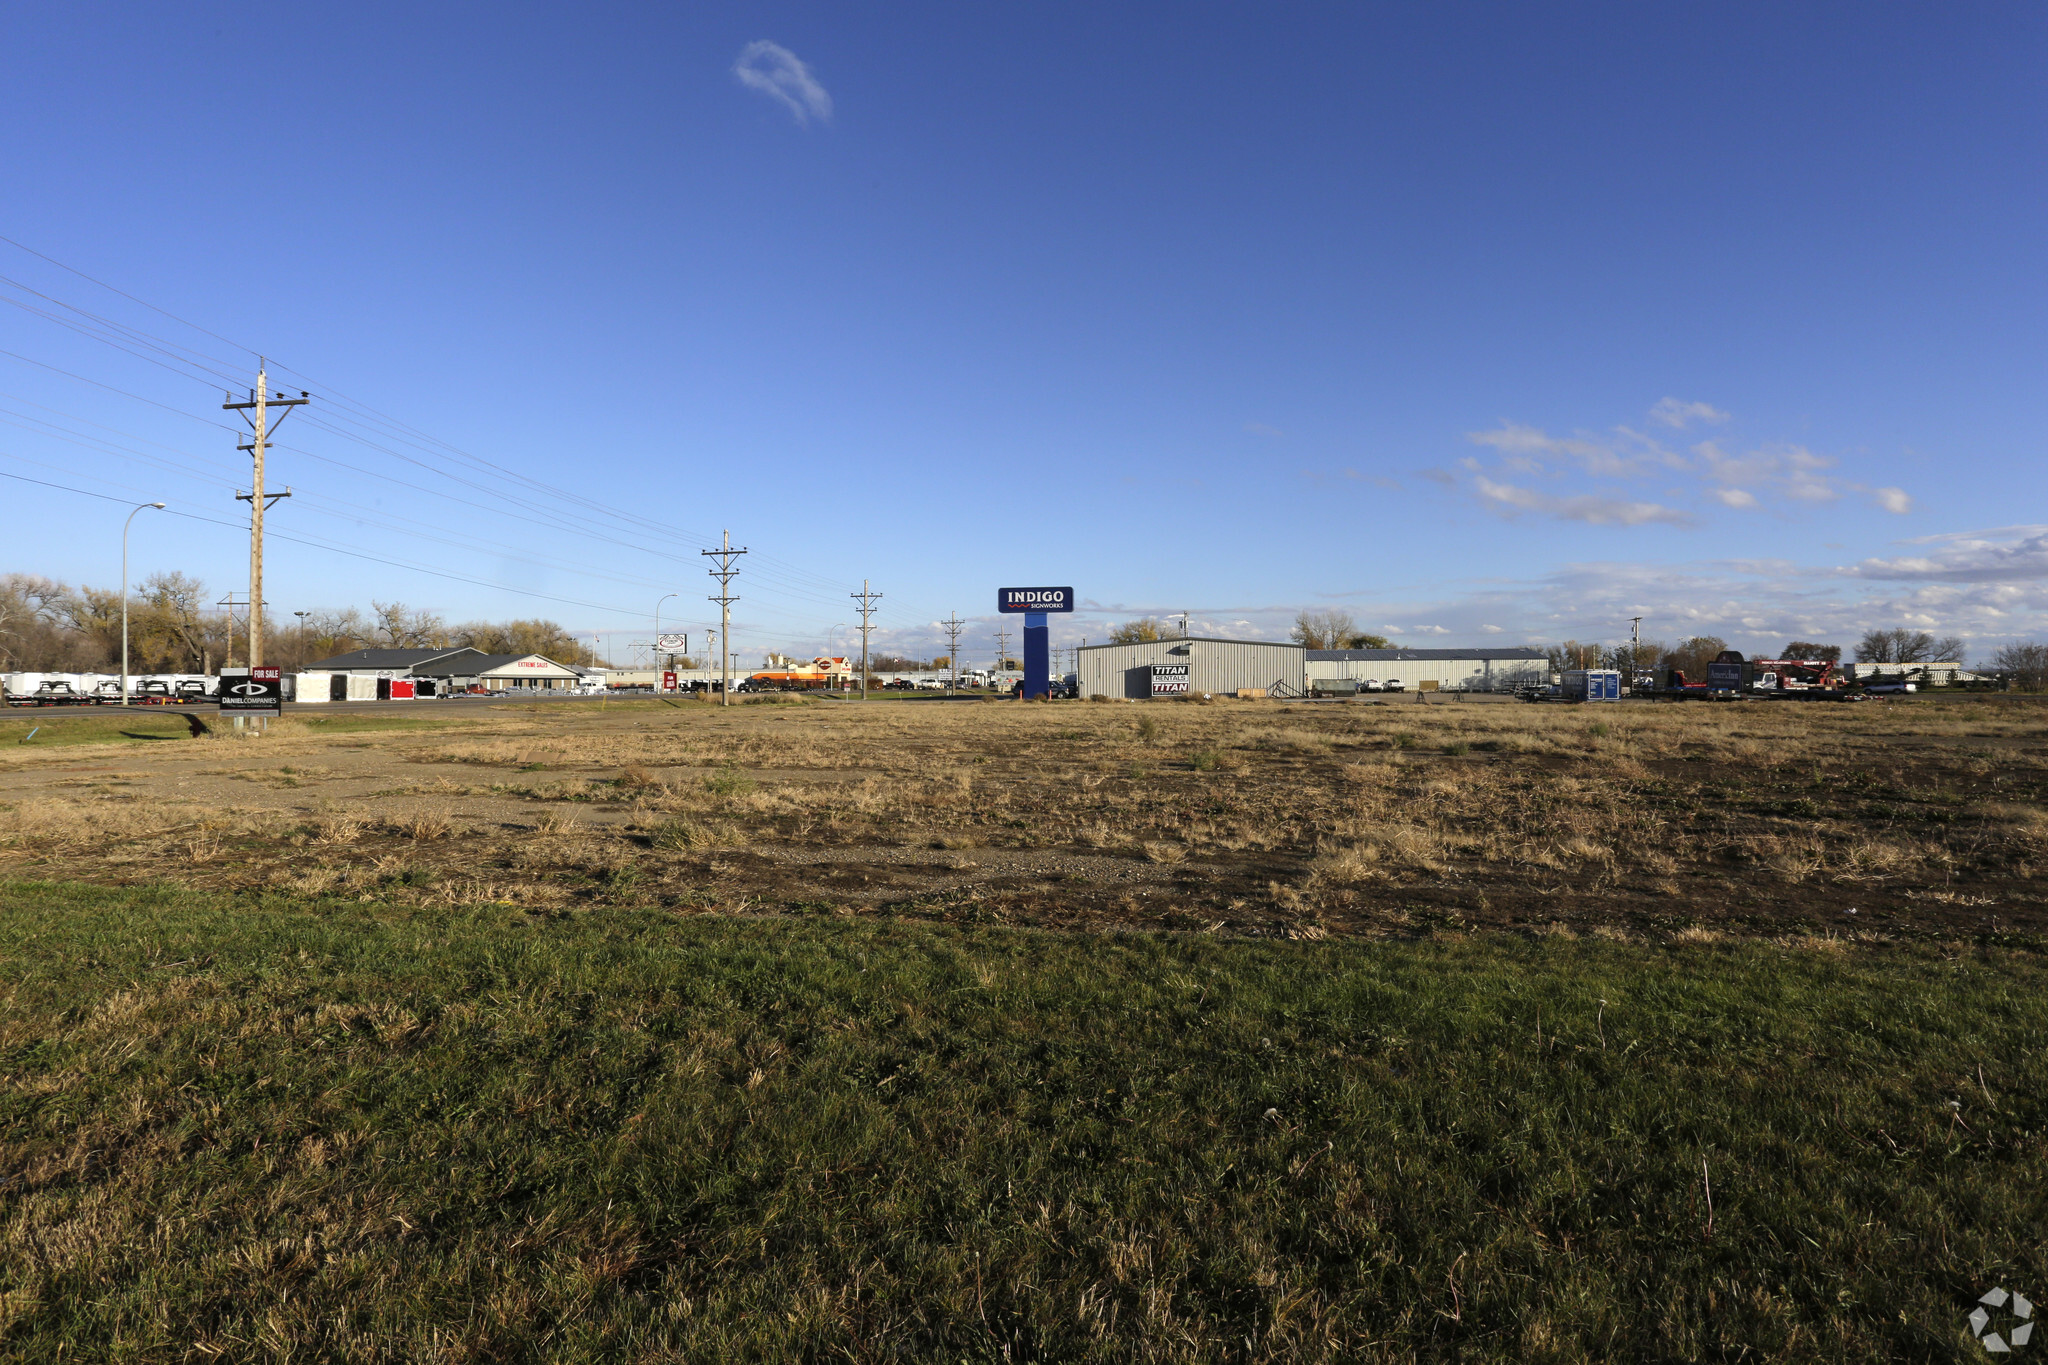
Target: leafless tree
{"x": 545, "y": 638}
{"x": 176, "y": 618}
{"x": 404, "y": 627}
{"x": 2025, "y": 663}
{"x": 1694, "y": 654}
{"x": 1332, "y": 630}
{"x": 1895, "y": 646}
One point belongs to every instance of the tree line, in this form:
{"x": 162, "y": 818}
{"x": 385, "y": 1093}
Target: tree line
{"x": 1312, "y": 629}
{"x": 175, "y": 625}
{"x": 2026, "y": 663}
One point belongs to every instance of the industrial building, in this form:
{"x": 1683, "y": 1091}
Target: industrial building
{"x": 391, "y": 663}
{"x": 451, "y": 670}
{"x": 1433, "y": 670}
{"x": 1191, "y": 664}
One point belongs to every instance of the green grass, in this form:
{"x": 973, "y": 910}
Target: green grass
{"x": 153, "y": 724}
{"x": 245, "y": 1129}
{"x": 55, "y": 727}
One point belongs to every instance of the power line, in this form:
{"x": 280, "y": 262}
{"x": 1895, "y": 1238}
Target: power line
{"x": 336, "y": 549}
{"x": 396, "y": 428}
{"x": 346, "y": 412}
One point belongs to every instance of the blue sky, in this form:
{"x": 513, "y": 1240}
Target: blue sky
{"x": 1486, "y": 323}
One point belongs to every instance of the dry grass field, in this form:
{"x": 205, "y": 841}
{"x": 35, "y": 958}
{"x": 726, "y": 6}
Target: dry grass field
{"x": 926, "y": 1031}
{"x": 1925, "y": 818}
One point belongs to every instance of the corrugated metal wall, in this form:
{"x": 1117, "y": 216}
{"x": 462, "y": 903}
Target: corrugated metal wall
{"x": 1213, "y": 666}
{"x": 1448, "y": 673}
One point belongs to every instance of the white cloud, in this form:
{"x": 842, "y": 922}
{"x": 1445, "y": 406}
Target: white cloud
{"x": 1772, "y": 473}
{"x": 1261, "y": 429}
{"x": 1490, "y": 630}
{"x": 776, "y": 72}
{"x": 1672, "y": 412}
{"x": 2012, "y": 554}
{"x": 1586, "y": 507}
{"x": 1520, "y": 446}
{"x": 1793, "y": 471}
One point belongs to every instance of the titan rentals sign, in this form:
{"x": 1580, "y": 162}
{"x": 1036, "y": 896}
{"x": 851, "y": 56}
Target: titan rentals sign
{"x": 1169, "y": 680}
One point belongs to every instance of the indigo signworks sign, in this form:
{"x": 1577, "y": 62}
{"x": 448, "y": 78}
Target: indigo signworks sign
{"x": 1034, "y": 599}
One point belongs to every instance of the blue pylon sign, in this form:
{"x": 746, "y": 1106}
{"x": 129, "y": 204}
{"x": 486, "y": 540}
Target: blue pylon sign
{"x": 1034, "y": 603}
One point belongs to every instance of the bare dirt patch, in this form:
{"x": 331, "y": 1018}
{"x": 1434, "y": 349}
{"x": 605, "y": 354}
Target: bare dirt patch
{"x": 1924, "y": 818}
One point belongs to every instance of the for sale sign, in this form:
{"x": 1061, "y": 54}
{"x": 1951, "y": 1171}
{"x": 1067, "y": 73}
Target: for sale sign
{"x": 1169, "y": 680}
{"x": 252, "y": 691}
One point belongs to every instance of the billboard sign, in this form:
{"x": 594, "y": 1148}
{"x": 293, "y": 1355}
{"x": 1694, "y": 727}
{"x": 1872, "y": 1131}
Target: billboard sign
{"x": 666, "y": 643}
{"x": 1034, "y": 599}
{"x": 668, "y": 681}
{"x": 1725, "y": 673}
{"x": 252, "y": 691}
{"x": 1169, "y": 680}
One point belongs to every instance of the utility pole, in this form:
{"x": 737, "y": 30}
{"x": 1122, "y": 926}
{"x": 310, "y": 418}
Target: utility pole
{"x": 229, "y": 604}
{"x": 867, "y": 602}
{"x": 724, "y": 573}
{"x": 256, "y": 412}
{"x": 1635, "y": 647}
{"x": 1003, "y": 650}
{"x": 952, "y": 625}
{"x": 124, "y": 593}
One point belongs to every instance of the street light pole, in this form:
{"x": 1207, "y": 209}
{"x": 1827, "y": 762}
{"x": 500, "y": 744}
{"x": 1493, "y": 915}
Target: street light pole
{"x": 657, "y": 640}
{"x": 124, "y": 593}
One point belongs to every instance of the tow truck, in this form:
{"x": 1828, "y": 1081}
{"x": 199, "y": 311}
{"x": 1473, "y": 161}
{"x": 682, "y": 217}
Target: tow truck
{"x": 1800, "y": 680}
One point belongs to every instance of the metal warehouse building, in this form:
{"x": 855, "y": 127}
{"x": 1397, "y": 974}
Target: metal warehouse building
{"x": 1213, "y": 666}
{"x": 1430, "y": 670}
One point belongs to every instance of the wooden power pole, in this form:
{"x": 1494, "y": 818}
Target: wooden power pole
{"x": 256, "y": 412}
{"x": 952, "y": 625}
{"x": 724, "y": 573}
{"x": 867, "y": 602}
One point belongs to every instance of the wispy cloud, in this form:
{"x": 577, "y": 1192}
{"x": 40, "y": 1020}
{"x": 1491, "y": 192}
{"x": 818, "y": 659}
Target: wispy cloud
{"x": 2009, "y": 555}
{"x": 1792, "y": 471}
{"x": 1261, "y": 429}
{"x": 1586, "y": 507}
{"x": 776, "y": 72}
{"x": 1532, "y": 471}
{"x": 1672, "y": 412}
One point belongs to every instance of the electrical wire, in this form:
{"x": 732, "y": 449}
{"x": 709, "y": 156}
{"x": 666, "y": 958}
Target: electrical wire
{"x": 780, "y": 576}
